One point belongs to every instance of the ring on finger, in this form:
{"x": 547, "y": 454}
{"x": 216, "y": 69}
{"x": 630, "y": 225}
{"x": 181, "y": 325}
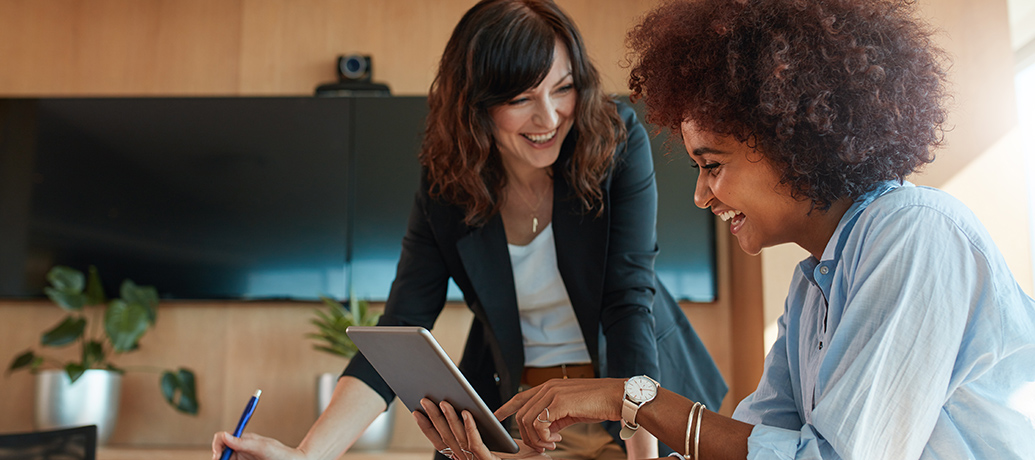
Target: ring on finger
{"x": 469, "y": 454}
{"x": 446, "y": 452}
{"x": 547, "y": 410}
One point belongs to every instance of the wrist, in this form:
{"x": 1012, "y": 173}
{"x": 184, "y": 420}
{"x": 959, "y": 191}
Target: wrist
{"x": 639, "y": 391}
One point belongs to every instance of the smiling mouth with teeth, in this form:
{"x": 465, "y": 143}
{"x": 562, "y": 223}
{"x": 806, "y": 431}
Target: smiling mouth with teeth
{"x": 727, "y": 215}
{"x": 540, "y": 138}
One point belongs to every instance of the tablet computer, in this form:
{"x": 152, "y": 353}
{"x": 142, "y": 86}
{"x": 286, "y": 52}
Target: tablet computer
{"x": 415, "y": 366}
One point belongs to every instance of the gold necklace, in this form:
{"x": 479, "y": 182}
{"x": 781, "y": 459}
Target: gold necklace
{"x": 535, "y": 209}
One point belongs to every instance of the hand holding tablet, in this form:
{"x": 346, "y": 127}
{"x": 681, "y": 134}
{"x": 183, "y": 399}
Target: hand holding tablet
{"x": 411, "y": 361}
{"x": 455, "y": 434}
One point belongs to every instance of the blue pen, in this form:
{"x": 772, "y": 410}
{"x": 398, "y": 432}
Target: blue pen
{"x": 247, "y": 415}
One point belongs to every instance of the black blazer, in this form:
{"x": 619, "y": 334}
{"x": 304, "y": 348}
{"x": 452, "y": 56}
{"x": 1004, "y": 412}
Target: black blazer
{"x": 630, "y": 323}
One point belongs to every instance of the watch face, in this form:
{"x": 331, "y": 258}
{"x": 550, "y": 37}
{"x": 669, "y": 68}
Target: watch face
{"x": 640, "y": 389}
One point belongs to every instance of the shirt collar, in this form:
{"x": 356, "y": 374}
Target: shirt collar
{"x": 833, "y": 249}
{"x": 812, "y": 268}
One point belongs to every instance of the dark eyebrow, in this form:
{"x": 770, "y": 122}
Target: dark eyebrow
{"x": 706, "y": 150}
{"x": 564, "y": 77}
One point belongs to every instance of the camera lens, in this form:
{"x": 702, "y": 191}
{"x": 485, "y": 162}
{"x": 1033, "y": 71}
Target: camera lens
{"x": 353, "y": 67}
{"x": 353, "y": 64}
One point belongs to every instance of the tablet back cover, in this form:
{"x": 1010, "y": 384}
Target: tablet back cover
{"x": 411, "y": 361}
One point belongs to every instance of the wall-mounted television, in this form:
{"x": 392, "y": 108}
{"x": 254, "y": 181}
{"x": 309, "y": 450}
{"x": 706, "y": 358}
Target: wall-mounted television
{"x": 284, "y": 198}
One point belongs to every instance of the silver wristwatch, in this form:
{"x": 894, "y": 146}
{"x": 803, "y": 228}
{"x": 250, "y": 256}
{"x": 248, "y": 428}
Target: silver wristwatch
{"x": 639, "y": 390}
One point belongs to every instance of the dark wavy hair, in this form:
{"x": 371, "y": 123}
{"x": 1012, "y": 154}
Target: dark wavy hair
{"x": 837, "y": 94}
{"x": 498, "y": 50}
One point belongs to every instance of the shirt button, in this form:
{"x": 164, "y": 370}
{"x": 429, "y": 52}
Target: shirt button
{"x": 824, "y": 270}
{"x": 496, "y": 377}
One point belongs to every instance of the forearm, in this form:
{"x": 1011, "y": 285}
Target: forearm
{"x": 352, "y": 408}
{"x": 720, "y": 438}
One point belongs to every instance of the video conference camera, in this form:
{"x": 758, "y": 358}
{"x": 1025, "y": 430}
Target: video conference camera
{"x": 355, "y": 74}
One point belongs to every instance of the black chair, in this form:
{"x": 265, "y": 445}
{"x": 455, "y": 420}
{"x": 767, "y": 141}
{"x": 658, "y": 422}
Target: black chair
{"x": 79, "y": 443}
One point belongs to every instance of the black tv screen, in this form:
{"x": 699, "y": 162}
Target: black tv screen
{"x": 246, "y": 197}
{"x": 206, "y": 198}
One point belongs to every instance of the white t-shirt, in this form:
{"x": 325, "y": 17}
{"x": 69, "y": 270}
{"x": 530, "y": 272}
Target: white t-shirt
{"x": 549, "y": 328}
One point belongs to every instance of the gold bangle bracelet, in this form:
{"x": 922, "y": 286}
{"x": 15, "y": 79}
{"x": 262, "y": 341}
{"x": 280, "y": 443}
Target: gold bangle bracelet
{"x": 697, "y": 431}
{"x": 689, "y": 426}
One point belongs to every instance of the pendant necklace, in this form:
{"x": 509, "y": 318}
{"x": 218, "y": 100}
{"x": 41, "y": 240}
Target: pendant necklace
{"x": 535, "y": 210}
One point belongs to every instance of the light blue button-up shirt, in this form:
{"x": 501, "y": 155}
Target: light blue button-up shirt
{"x": 909, "y": 339}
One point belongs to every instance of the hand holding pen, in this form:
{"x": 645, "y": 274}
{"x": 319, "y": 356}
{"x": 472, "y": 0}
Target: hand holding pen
{"x": 245, "y": 417}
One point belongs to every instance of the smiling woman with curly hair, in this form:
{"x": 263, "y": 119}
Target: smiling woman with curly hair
{"x": 904, "y": 334}
{"x": 838, "y": 95}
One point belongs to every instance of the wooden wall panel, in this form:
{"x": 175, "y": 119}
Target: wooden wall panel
{"x": 249, "y": 47}
{"x": 747, "y": 322}
{"x": 197, "y": 46}
{"x": 35, "y": 46}
{"x": 603, "y": 30}
{"x": 285, "y": 45}
{"x": 195, "y": 336}
{"x": 119, "y": 47}
{"x": 115, "y": 47}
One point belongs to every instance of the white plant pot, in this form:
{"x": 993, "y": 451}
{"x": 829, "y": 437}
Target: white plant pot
{"x": 377, "y": 436}
{"x": 92, "y": 400}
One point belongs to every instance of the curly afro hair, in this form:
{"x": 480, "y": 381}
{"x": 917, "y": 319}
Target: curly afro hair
{"x": 837, "y": 94}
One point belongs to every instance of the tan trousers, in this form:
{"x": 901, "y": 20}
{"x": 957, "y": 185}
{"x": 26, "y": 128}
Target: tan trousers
{"x": 585, "y": 441}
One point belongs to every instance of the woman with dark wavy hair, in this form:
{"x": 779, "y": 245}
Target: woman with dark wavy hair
{"x": 538, "y": 199}
{"x": 904, "y": 333}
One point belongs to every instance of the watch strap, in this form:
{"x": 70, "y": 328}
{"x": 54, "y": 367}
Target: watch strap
{"x": 629, "y": 425}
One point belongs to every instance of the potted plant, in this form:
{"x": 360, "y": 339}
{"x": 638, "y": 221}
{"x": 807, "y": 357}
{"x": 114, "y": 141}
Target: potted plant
{"x": 93, "y": 374}
{"x": 331, "y": 323}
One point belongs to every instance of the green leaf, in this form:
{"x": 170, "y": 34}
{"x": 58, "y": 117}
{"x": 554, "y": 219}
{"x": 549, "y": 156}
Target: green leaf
{"x": 125, "y": 323}
{"x": 332, "y": 322}
{"x": 333, "y": 350}
{"x": 67, "y": 331}
{"x": 93, "y": 353}
{"x": 169, "y": 384}
{"x": 66, "y": 288}
{"x": 94, "y": 289}
{"x": 146, "y": 296}
{"x": 333, "y": 307}
{"x": 181, "y": 382}
{"x": 370, "y": 319}
{"x": 71, "y": 301}
{"x": 326, "y": 321}
{"x": 66, "y": 279}
{"x": 359, "y": 311}
{"x": 22, "y": 360}
{"x": 74, "y": 371}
